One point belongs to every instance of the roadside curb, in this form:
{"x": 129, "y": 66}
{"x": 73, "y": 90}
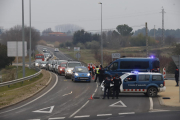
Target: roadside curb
{"x": 162, "y": 103}
{"x": 50, "y": 79}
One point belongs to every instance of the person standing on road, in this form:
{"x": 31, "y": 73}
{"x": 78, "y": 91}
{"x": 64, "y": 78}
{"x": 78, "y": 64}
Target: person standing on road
{"x": 117, "y": 83}
{"x": 97, "y": 73}
{"x": 107, "y": 83}
{"x": 101, "y": 75}
{"x": 91, "y": 69}
{"x": 177, "y": 77}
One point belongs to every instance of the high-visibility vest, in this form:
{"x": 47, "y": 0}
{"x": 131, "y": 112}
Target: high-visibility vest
{"x": 97, "y": 70}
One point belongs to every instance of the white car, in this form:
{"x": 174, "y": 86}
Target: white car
{"x": 56, "y": 50}
{"x": 44, "y": 49}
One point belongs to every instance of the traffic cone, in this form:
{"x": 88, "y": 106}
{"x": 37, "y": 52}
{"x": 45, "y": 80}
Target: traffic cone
{"x": 91, "y": 98}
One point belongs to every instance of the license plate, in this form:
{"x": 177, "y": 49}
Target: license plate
{"x": 83, "y": 78}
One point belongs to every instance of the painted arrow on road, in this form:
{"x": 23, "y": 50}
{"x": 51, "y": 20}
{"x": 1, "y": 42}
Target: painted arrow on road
{"x": 118, "y": 105}
{"x": 44, "y": 110}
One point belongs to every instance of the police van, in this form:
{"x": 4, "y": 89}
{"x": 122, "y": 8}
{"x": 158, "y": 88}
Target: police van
{"x": 148, "y": 83}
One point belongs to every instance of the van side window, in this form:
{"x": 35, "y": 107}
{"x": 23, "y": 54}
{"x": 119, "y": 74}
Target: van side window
{"x": 144, "y": 77}
{"x": 114, "y": 66}
{"x": 131, "y": 78}
{"x": 134, "y": 65}
{"x": 157, "y": 78}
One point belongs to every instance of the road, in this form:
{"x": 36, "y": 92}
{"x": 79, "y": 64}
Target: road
{"x": 64, "y": 99}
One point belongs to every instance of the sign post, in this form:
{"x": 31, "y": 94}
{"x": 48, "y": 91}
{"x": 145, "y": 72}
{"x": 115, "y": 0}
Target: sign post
{"x": 77, "y": 49}
{"x": 116, "y": 55}
{"x": 176, "y": 60}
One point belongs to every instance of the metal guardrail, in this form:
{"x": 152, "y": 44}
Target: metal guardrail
{"x": 21, "y": 79}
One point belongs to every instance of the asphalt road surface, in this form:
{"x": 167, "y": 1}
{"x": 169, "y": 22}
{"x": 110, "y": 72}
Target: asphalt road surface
{"x": 64, "y": 99}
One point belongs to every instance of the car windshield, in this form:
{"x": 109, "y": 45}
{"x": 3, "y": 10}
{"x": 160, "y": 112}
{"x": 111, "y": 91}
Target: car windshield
{"x": 43, "y": 62}
{"x": 74, "y": 64}
{"x": 81, "y": 70}
{"x": 63, "y": 65}
{"x": 123, "y": 76}
{"x": 59, "y": 62}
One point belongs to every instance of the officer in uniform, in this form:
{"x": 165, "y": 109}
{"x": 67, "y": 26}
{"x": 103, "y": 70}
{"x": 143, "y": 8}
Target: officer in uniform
{"x": 97, "y": 73}
{"x": 101, "y": 75}
{"x": 117, "y": 82}
{"x": 177, "y": 76}
{"x": 107, "y": 83}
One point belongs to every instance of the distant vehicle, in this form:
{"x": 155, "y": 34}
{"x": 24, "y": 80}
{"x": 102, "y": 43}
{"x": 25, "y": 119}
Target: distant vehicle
{"x": 54, "y": 62}
{"x": 141, "y": 82}
{"x": 70, "y": 66}
{"x": 37, "y": 62}
{"x": 47, "y": 56}
{"x": 43, "y": 64}
{"x": 125, "y": 65}
{"x": 57, "y": 64}
{"x": 49, "y": 65}
{"x": 44, "y": 49}
{"x": 61, "y": 68}
{"x": 39, "y": 56}
{"x": 56, "y": 50}
{"x": 81, "y": 73}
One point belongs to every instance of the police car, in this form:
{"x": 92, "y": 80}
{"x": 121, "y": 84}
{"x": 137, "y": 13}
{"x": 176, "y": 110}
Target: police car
{"x": 141, "y": 82}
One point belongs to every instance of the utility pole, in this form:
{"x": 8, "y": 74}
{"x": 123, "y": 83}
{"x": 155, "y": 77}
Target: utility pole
{"x": 163, "y": 26}
{"x": 154, "y": 33}
{"x": 23, "y": 46}
{"x": 147, "y": 52}
{"x": 30, "y": 34}
{"x": 101, "y": 37}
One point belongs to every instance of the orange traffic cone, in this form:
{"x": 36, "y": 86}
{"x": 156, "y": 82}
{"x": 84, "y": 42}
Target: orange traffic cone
{"x": 91, "y": 98}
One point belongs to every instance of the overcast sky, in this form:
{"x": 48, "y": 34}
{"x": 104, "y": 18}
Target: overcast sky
{"x": 86, "y": 13}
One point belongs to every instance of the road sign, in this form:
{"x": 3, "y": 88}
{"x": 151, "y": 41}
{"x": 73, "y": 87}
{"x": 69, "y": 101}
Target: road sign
{"x": 14, "y": 48}
{"x": 76, "y": 48}
{"x": 176, "y": 60}
{"x": 116, "y": 55}
{"x": 78, "y": 55}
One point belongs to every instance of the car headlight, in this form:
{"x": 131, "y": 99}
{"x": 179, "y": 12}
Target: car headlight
{"x": 60, "y": 69}
{"x": 76, "y": 74}
{"x": 69, "y": 71}
{"x": 88, "y": 74}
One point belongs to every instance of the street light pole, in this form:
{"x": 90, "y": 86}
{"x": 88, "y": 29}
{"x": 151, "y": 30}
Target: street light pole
{"x": 23, "y": 38}
{"x": 101, "y": 37}
{"x": 30, "y": 34}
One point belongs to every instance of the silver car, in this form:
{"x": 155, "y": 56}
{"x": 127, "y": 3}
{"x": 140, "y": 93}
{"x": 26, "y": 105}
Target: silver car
{"x": 43, "y": 64}
{"x": 69, "y": 68}
{"x": 54, "y": 65}
{"x": 57, "y": 64}
{"x": 37, "y": 63}
{"x": 49, "y": 65}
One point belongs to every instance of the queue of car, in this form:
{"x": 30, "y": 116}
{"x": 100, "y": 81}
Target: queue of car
{"x": 146, "y": 81}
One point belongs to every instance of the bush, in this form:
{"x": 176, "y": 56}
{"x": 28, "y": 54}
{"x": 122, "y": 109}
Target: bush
{"x": 61, "y": 45}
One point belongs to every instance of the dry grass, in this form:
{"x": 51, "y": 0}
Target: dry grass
{"x": 42, "y": 42}
{"x": 16, "y": 95}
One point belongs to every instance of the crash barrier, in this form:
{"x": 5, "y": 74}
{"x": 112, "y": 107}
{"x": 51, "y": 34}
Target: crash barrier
{"x": 164, "y": 73}
{"x": 21, "y": 79}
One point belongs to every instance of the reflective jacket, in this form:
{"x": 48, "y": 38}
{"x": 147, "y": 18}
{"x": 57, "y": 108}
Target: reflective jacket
{"x": 97, "y": 71}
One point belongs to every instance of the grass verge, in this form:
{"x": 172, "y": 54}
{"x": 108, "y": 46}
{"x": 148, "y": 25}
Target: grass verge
{"x": 18, "y": 92}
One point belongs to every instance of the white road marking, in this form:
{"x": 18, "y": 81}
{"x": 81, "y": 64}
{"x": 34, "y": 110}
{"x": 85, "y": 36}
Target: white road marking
{"x": 114, "y": 104}
{"x": 68, "y": 93}
{"x": 82, "y": 116}
{"x": 42, "y": 110}
{"x": 34, "y": 119}
{"x": 157, "y": 110}
{"x": 79, "y": 109}
{"x": 57, "y": 118}
{"x": 34, "y": 99}
{"x": 151, "y": 103}
{"x": 104, "y": 114}
{"x": 126, "y": 113}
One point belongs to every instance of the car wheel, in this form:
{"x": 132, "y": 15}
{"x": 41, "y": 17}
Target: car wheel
{"x": 152, "y": 92}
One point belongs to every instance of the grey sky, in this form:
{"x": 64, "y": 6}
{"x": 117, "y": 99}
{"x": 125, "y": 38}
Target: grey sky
{"x": 86, "y": 13}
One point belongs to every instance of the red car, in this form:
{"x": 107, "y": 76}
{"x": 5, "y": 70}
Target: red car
{"x": 61, "y": 68}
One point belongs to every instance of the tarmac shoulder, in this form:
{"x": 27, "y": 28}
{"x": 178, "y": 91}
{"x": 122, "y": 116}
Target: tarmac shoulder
{"x": 172, "y": 91}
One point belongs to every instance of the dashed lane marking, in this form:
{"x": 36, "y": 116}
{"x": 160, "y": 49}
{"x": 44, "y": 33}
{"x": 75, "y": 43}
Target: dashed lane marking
{"x": 57, "y": 118}
{"x": 104, "y": 114}
{"x": 34, "y": 119}
{"x": 82, "y": 116}
{"x": 126, "y": 113}
{"x": 34, "y": 99}
{"x": 157, "y": 110}
{"x": 68, "y": 93}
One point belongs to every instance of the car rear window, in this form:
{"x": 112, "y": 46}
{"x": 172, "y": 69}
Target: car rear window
{"x": 157, "y": 78}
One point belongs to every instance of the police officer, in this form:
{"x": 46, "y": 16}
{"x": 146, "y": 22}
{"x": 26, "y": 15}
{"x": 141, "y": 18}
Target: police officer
{"x": 107, "y": 83}
{"x": 91, "y": 69}
{"x": 97, "y": 73}
{"x": 177, "y": 76}
{"x": 117, "y": 82}
{"x": 101, "y": 75}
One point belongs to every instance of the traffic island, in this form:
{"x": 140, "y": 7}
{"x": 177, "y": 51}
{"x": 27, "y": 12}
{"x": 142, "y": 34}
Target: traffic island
{"x": 172, "y": 93}
{"x": 23, "y": 92}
